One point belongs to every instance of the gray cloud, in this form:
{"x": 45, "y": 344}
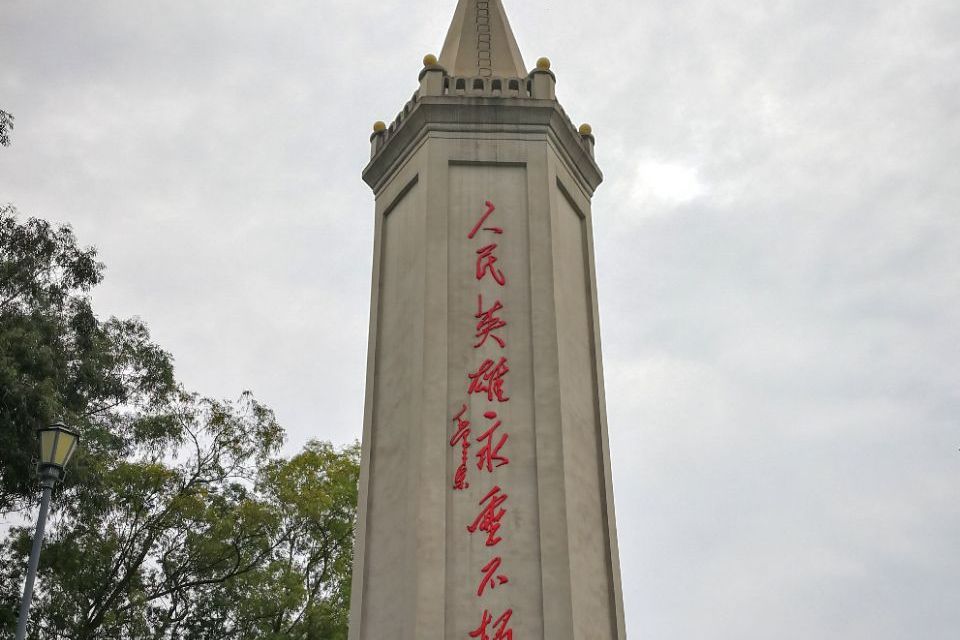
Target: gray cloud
{"x": 778, "y": 248}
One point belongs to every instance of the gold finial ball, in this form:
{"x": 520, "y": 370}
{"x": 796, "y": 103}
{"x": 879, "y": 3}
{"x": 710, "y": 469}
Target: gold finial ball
{"x": 379, "y": 126}
{"x": 585, "y": 129}
{"x": 543, "y": 63}
{"x": 429, "y": 60}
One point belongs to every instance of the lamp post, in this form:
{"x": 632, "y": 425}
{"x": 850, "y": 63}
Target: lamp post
{"x": 57, "y": 444}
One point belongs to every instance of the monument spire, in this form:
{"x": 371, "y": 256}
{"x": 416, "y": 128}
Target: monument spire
{"x": 480, "y": 42}
{"x": 485, "y": 507}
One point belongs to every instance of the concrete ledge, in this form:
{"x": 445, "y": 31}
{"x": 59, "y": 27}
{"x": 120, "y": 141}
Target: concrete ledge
{"x": 477, "y": 116}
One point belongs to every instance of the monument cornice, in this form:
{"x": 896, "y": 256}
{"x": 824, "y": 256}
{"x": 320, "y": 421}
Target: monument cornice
{"x": 474, "y": 117}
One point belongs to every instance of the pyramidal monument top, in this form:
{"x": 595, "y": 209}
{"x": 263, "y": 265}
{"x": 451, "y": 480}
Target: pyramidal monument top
{"x": 479, "y": 82}
{"x": 480, "y": 42}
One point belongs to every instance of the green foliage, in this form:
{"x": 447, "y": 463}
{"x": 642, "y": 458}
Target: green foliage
{"x": 57, "y": 359}
{"x": 315, "y": 494}
{"x": 178, "y": 518}
{"x": 203, "y": 533}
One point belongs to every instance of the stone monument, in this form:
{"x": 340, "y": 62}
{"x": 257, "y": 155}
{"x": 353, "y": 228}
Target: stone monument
{"x": 486, "y": 502}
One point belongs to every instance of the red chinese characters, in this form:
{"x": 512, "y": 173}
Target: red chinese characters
{"x": 487, "y": 384}
{"x": 461, "y": 437}
{"x": 483, "y": 218}
{"x": 486, "y": 262}
{"x": 488, "y": 379}
{"x": 489, "y": 455}
{"x": 499, "y": 626}
{"x": 491, "y": 575}
{"x": 488, "y": 322}
{"x": 488, "y": 520}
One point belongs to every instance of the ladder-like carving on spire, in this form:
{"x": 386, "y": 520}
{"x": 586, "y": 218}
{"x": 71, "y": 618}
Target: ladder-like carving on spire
{"x": 484, "y": 60}
{"x": 481, "y": 43}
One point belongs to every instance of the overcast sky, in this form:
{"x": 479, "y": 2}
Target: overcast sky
{"x": 777, "y": 241}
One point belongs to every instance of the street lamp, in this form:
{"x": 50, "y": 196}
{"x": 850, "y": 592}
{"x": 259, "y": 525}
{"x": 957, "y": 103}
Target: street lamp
{"x": 57, "y": 444}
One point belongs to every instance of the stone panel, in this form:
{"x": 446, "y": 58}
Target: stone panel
{"x": 390, "y": 540}
{"x": 591, "y": 578}
{"x": 471, "y": 186}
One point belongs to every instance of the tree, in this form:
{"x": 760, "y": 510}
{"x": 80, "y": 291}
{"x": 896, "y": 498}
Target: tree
{"x": 58, "y": 360}
{"x": 6, "y": 126}
{"x": 178, "y": 518}
{"x": 201, "y": 533}
{"x": 315, "y": 495}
